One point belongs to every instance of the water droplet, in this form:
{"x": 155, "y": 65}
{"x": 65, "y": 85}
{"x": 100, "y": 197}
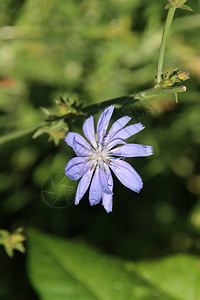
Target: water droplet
{"x": 76, "y": 176}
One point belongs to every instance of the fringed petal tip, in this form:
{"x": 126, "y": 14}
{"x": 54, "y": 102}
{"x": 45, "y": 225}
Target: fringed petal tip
{"x": 138, "y": 191}
{"x": 107, "y": 202}
{"x": 107, "y": 209}
{"x": 149, "y": 150}
{"x": 94, "y": 202}
{"x": 132, "y": 150}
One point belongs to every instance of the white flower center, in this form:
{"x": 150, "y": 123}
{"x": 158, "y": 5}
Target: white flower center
{"x": 100, "y": 155}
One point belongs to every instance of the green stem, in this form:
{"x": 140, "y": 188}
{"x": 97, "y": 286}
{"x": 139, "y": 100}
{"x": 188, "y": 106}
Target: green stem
{"x": 121, "y": 101}
{"x": 18, "y": 133}
{"x": 127, "y": 100}
{"x": 169, "y": 19}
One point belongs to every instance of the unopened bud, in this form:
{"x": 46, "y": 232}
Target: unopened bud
{"x": 178, "y": 4}
{"x": 12, "y": 241}
{"x": 183, "y": 75}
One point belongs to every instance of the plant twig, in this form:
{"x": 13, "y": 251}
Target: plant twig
{"x": 169, "y": 19}
{"x": 18, "y": 133}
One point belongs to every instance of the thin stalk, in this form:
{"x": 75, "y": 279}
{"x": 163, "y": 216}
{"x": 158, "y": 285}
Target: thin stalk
{"x": 127, "y": 100}
{"x": 169, "y": 19}
{"x": 121, "y": 101}
{"x": 18, "y": 133}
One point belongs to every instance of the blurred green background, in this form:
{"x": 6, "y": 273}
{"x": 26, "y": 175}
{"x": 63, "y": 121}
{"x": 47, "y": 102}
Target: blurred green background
{"x": 93, "y": 51}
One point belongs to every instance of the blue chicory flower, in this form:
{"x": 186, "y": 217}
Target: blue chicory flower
{"x": 95, "y": 159}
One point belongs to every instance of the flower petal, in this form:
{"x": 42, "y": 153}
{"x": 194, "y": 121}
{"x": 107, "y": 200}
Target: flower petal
{"x": 114, "y": 143}
{"x": 128, "y": 131}
{"x": 109, "y": 177}
{"x": 104, "y": 182}
{"x": 103, "y": 122}
{"x": 132, "y": 150}
{"x": 83, "y": 185}
{"x": 107, "y": 198}
{"x": 127, "y": 175}
{"x": 80, "y": 149}
{"x": 117, "y": 125}
{"x": 107, "y": 202}
{"x": 88, "y": 130}
{"x": 69, "y": 139}
{"x": 76, "y": 167}
{"x": 95, "y": 193}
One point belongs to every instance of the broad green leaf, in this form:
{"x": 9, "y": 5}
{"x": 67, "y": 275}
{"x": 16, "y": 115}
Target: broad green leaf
{"x": 177, "y": 275}
{"x": 62, "y": 270}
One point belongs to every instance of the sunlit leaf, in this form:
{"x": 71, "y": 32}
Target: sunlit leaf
{"x": 177, "y": 275}
{"x": 60, "y": 269}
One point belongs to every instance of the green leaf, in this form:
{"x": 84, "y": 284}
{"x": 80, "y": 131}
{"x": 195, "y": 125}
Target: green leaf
{"x": 178, "y": 275}
{"x": 64, "y": 270}
{"x": 186, "y": 7}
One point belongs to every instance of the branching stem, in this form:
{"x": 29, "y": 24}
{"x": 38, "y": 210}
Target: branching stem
{"x": 169, "y": 19}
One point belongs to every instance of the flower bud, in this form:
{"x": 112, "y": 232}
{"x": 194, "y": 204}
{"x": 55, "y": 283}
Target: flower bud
{"x": 12, "y": 241}
{"x": 178, "y": 4}
{"x": 183, "y": 75}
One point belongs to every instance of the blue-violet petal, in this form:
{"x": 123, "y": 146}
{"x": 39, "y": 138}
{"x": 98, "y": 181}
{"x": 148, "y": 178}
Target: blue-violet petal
{"x": 127, "y": 175}
{"x": 128, "y": 131}
{"x": 104, "y": 182}
{"x": 95, "y": 192}
{"x": 88, "y": 130}
{"x": 83, "y": 185}
{"x": 132, "y": 150}
{"x": 69, "y": 139}
{"x": 117, "y": 125}
{"x": 80, "y": 149}
{"x": 76, "y": 167}
{"x": 103, "y": 122}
